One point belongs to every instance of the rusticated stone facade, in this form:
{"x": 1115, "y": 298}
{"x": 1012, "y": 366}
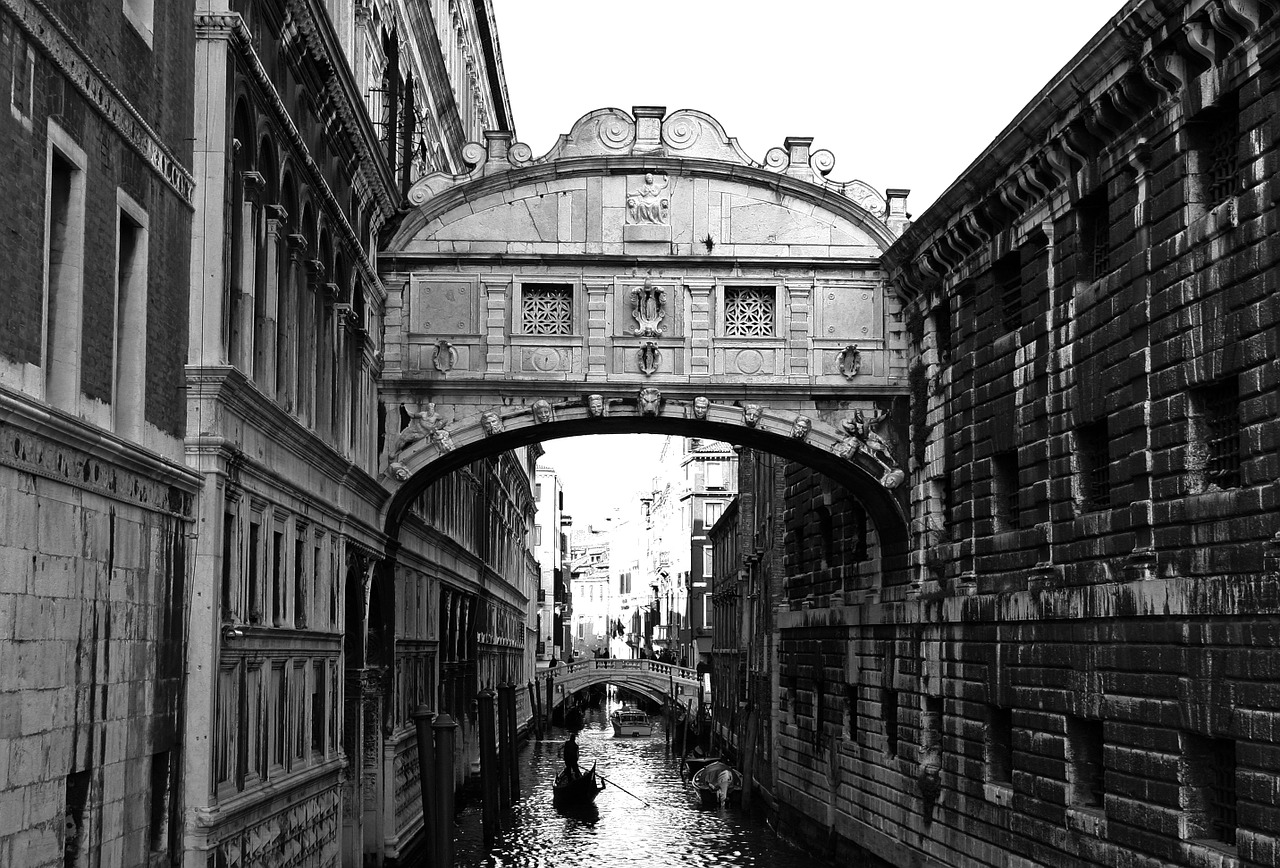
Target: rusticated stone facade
{"x": 1075, "y": 667}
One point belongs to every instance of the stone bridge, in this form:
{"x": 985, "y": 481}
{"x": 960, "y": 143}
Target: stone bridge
{"x": 646, "y": 276}
{"x": 651, "y": 678}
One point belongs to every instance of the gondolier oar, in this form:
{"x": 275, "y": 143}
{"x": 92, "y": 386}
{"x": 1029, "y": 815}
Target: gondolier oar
{"x": 624, "y": 789}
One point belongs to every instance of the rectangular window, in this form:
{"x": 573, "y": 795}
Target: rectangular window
{"x": 998, "y": 745}
{"x": 851, "y": 710}
{"x": 749, "y": 311}
{"x": 1093, "y": 224}
{"x": 227, "y": 727}
{"x": 64, "y": 270}
{"x": 129, "y": 384}
{"x": 255, "y": 576}
{"x": 931, "y": 724}
{"x": 319, "y": 682}
{"x": 1093, "y": 462}
{"x": 277, "y": 578}
{"x": 1214, "y": 136}
{"x": 714, "y": 472}
{"x": 707, "y": 610}
{"x": 279, "y": 715}
{"x": 1007, "y": 275}
{"x": 158, "y": 804}
{"x": 1214, "y": 458}
{"x": 714, "y": 509}
{"x": 889, "y": 710}
{"x": 1085, "y": 756}
{"x": 255, "y": 756}
{"x": 1211, "y": 786}
{"x": 546, "y": 308}
{"x": 537, "y": 534}
{"x": 708, "y": 563}
{"x": 228, "y": 554}
{"x": 1004, "y": 490}
{"x": 140, "y": 13}
{"x": 298, "y": 691}
{"x": 300, "y": 580}
{"x": 22, "y": 84}
{"x": 942, "y": 331}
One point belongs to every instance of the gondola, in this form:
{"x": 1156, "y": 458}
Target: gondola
{"x": 582, "y": 790}
{"x": 707, "y": 783}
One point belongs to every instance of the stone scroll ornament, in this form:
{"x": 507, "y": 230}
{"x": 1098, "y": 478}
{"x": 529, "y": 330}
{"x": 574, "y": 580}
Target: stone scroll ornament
{"x": 650, "y": 402}
{"x": 648, "y": 307}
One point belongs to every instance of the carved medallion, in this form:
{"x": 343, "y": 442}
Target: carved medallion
{"x": 648, "y": 307}
{"x": 648, "y": 358}
{"x": 850, "y": 362}
{"x": 445, "y": 356}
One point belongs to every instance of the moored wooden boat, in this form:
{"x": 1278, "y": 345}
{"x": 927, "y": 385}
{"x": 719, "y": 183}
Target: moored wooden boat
{"x": 631, "y": 722}
{"x": 582, "y": 790}
{"x": 717, "y": 783}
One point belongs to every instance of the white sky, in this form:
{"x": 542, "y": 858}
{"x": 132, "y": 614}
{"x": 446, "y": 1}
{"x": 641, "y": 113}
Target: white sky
{"x": 904, "y": 94}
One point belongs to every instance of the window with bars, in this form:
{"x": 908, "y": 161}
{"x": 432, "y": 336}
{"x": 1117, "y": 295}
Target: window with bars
{"x": 942, "y": 330}
{"x": 1215, "y": 435}
{"x": 1007, "y": 275}
{"x": 1211, "y": 786}
{"x": 1093, "y": 463}
{"x": 748, "y": 311}
{"x": 1093, "y": 223}
{"x": 1085, "y": 755}
{"x": 1004, "y": 490}
{"x": 546, "y": 308}
{"x": 998, "y": 745}
{"x": 1215, "y": 140}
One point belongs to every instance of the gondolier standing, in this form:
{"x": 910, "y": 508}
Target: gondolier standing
{"x": 569, "y": 750}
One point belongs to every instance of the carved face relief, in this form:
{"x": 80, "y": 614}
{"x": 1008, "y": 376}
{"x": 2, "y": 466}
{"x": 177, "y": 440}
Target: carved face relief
{"x": 801, "y": 427}
{"x": 751, "y": 415}
{"x": 650, "y": 402}
{"x": 542, "y": 412}
{"x": 701, "y": 405}
{"x": 595, "y": 406}
{"x": 491, "y": 423}
{"x": 444, "y": 440}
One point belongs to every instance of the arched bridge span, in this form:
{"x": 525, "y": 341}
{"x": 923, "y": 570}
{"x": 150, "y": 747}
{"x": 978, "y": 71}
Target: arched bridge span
{"x": 652, "y": 678}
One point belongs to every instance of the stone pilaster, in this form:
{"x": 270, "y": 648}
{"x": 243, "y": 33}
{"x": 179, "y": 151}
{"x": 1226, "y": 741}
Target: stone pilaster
{"x": 598, "y": 337}
{"x": 799, "y": 335}
{"x": 242, "y": 353}
{"x": 265, "y": 359}
{"x": 700, "y": 295}
{"x": 498, "y": 298}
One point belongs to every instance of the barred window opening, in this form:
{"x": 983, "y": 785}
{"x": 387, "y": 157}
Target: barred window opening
{"x": 1216, "y": 433}
{"x": 1093, "y": 222}
{"x": 748, "y": 311}
{"x": 546, "y": 309}
{"x": 1215, "y": 136}
{"x": 1094, "y": 466}
{"x": 1007, "y": 274}
{"x": 1005, "y": 490}
{"x": 1211, "y": 779}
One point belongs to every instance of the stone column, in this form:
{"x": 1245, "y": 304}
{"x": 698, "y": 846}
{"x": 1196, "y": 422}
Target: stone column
{"x": 371, "y": 766}
{"x": 498, "y": 299}
{"x": 342, "y": 314}
{"x": 599, "y": 341}
{"x": 700, "y": 298}
{"x": 799, "y": 319}
{"x": 287, "y": 350}
{"x": 264, "y": 364}
{"x": 242, "y": 352}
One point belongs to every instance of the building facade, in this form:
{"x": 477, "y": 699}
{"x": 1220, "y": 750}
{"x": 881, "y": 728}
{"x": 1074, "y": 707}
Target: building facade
{"x": 98, "y": 507}
{"x": 1070, "y": 668}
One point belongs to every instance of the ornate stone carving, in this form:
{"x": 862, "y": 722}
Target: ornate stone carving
{"x": 862, "y": 437}
{"x": 421, "y": 425}
{"x": 399, "y": 471}
{"x": 542, "y": 412}
{"x": 444, "y": 357}
{"x": 850, "y": 362}
{"x": 491, "y": 423}
{"x": 650, "y": 402}
{"x": 751, "y": 415}
{"x": 651, "y": 204}
{"x": 800, "y": 427}
{"x": 595, "y": 406}
{"x": 648, "y": 358}
{"x": 648, "y": 307}
{"x": 700, "y": 406}
{"x": 443, "y": 439}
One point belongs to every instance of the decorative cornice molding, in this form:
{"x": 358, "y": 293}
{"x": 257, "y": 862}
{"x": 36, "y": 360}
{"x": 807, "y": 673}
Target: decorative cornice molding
{"x": 47, "y": 32}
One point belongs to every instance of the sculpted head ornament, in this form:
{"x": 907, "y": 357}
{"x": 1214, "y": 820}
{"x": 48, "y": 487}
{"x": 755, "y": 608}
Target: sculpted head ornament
{"x": 595, "y": 406}
{"x": 542, "y": 411}
{"x": 801, "y": 427}
{"x": 701, "y": 405}
{"x": 650, "y": 401}
{"x": 751, "y": 415}
{"x": 491, "y": 423}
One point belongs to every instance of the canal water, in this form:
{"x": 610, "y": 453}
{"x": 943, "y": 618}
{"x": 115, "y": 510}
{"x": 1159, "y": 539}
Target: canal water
{"x": 672, "y": 829}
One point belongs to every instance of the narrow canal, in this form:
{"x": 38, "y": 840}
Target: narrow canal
{"x": 672, "y": 829}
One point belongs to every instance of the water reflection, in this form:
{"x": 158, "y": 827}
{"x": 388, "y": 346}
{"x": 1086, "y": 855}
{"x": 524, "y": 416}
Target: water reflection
{"x": 620, "y": 829}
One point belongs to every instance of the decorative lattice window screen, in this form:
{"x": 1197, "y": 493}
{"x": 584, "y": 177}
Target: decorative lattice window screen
{"x": 546, "y": 309}
{"x": 748, "y": 311}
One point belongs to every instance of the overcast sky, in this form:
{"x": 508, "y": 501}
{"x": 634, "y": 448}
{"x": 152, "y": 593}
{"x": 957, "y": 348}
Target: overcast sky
{"x": 904, "y": 94}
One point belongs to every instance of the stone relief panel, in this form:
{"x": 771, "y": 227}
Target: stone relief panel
{"x": 648, "y": 358}
{"x": 849, "y": 312}
{"x": 545, "y": 360}
{"x": 440, "y": 304}
{"x": 648, "y": 307}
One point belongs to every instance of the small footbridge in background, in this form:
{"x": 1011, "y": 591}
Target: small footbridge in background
{"x": 661, "y": 682}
